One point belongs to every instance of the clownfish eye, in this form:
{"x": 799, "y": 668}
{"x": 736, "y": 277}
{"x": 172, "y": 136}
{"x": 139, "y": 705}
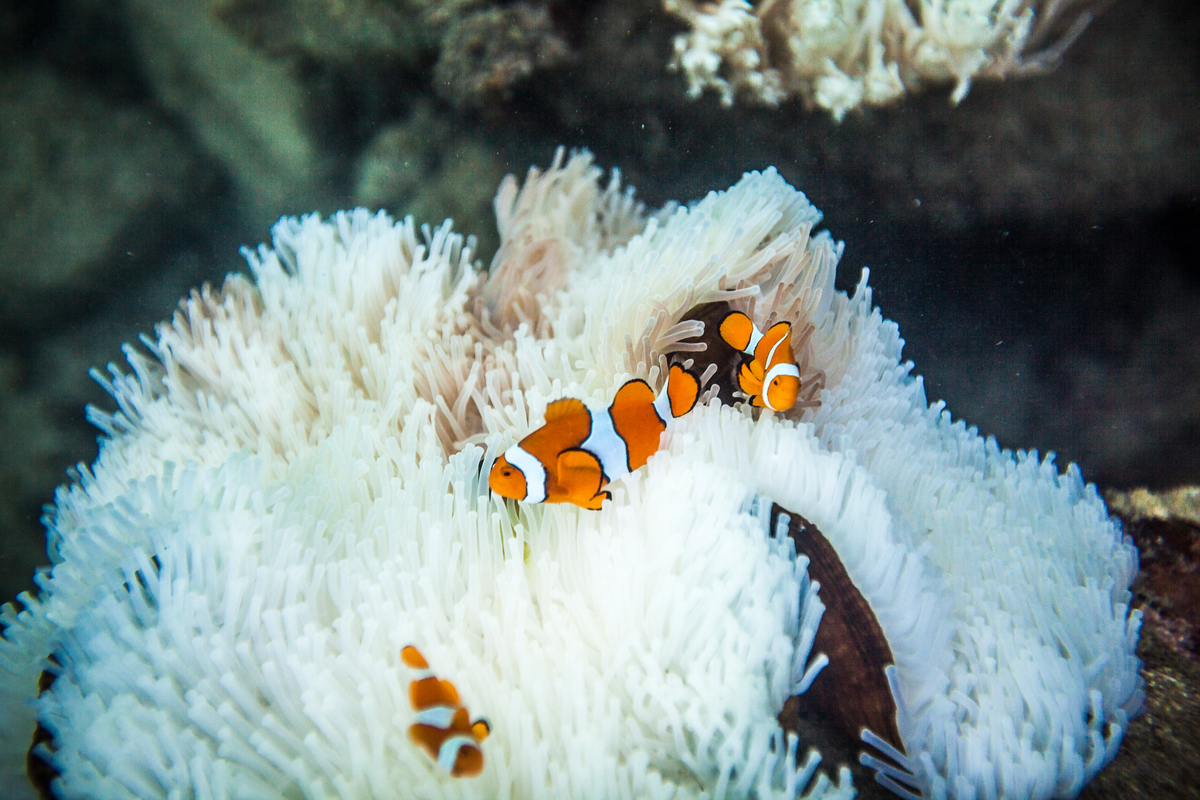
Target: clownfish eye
{"x": 506, "y": 473}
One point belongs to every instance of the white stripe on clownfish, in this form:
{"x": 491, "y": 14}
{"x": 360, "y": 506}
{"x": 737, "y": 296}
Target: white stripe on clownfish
{"x": 579, "y": 450}
{"x": 451, "y": 748}
{"x": 752, "y": 342}
{"x": 607, "y": 445}
{"x": 533, "y": 470}
{"x": 782, "y": 366}
{"x": 662, "y": 406}
{"x": 770, "y": 359}
{"x": 437, "y": 716}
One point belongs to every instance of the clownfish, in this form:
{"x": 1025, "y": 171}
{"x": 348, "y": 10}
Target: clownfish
{"x": 580, "y": 450}
{"x": 443, "y": 728}
{"x": 771, "y": 378}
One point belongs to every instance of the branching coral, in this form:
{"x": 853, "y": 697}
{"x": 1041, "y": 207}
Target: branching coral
{"x": 292, "y": 491}
{"x": 840, "y": 54}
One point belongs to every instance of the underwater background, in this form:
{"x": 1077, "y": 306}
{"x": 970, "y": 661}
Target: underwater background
{"x": 1038, "y": 244}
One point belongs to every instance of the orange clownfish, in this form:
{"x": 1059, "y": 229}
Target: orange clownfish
{"x": 773, "y": 366}
{"x": 443, "y": 728}
{"x": 580, "y": 450}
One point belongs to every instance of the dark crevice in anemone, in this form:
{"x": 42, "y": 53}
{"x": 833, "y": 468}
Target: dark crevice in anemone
{"x": 39, "y": 772}
{"x": 851, "y": 692}
{"x": 718, "y": 352}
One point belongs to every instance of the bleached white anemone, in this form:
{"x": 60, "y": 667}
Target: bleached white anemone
{"x": 843, "y": 54}
{"x": 291, "y": 492}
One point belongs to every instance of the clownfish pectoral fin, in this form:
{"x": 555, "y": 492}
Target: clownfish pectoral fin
{"x": 683, "y": 389}
{"x": 595, "y": 502}
{"x": 576, "y": 462}
{"x": 750, "y": 379}
{"x": 580, "y": 476}
{"x": 738, "y": 331}
{"x": 751, "y": 384}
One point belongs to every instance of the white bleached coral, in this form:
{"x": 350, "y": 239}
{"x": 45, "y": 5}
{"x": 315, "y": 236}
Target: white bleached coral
{"x": 840, "y": 54}
{"x": 291, "y": 492}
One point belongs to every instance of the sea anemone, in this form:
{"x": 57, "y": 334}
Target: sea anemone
{"x": 292, "y": 489}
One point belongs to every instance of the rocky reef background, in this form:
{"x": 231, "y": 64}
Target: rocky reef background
{"x": 1039, "y": 244}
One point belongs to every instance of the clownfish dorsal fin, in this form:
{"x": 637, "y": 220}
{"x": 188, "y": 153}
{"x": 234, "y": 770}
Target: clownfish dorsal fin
{"x": 634, "y": 392}
{"x": 748, "y": 381}
{"x": 566, "y": 407}
{"x": 461, "y": 721}
{"x": 432, "y": 691}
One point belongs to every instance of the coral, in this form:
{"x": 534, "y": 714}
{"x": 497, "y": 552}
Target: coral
{"x": 484, "y": 54}
{"x": 1158, "y": 757}
{"x": 291, "y": 491}
{"x": 840, "y": 54}
{"x": 1166, "y": 528}
{"x": 483, "y": 49}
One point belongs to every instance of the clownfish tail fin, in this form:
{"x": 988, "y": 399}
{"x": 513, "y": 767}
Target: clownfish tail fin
{"x": 739, "y": 332}
{"x": 412, "y": 658}
{"x": 682, "y": 390}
